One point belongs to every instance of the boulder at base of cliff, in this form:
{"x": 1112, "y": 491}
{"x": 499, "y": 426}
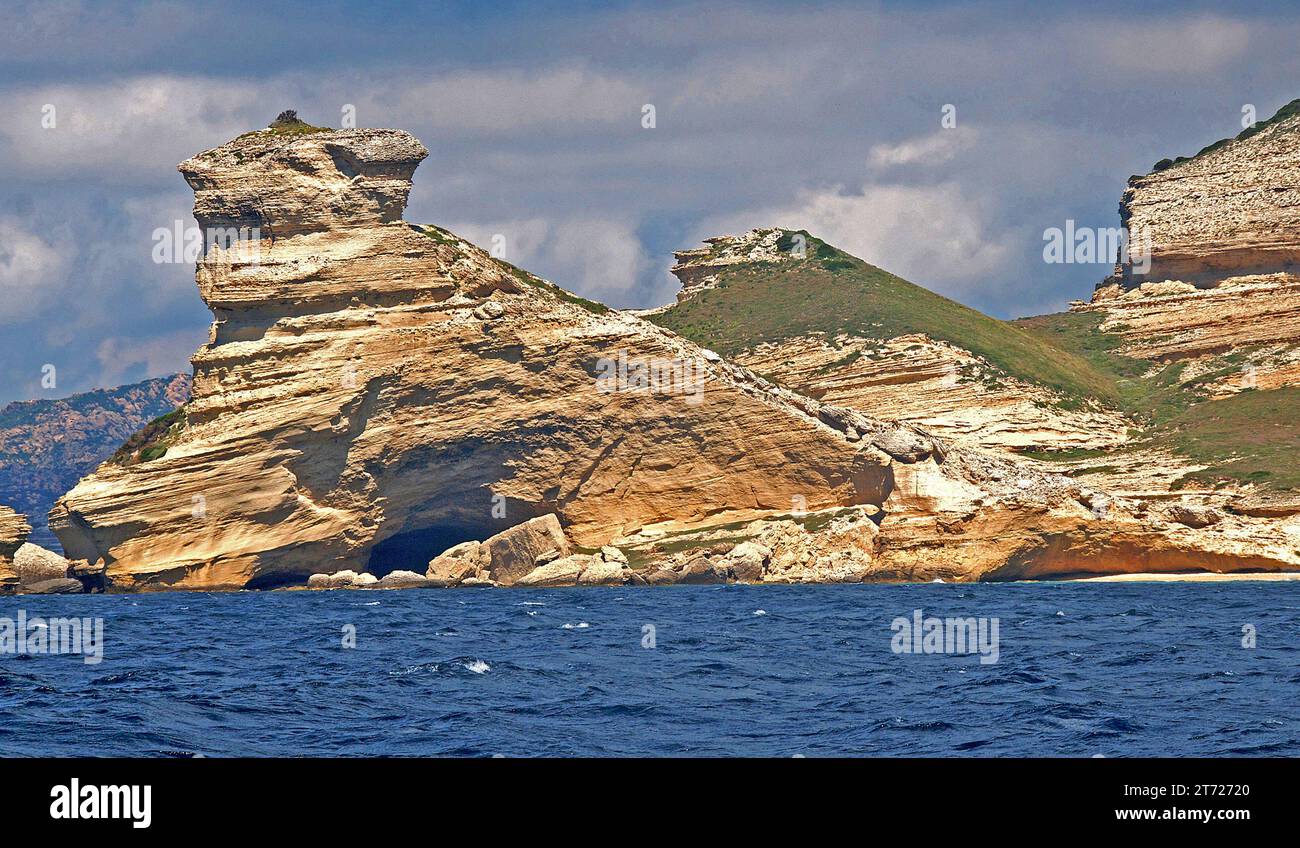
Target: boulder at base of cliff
{"x": 457, "y": 564}
{"x": 503, "y": 559}
{"x": 602, "y": 573}
{"x": 35, "y": 564}
{"x": 514, "y": 552}
{"x": 700, "y": 570}
{"x": 58, "y": 586}
{"x": 746, "y": 561}
{"x": 404, "y": 580}
{"x": 564, "y": 571}
{"x": 341, "y": 580}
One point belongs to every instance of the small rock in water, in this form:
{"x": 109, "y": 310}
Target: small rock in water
{"x": 58, "y": 586}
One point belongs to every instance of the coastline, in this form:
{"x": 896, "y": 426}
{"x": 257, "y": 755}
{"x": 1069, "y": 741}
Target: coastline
{"x": 1196, "y": 577}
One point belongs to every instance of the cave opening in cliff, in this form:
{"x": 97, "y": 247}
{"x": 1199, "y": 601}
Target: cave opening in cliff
{"x": 412, "y": 549}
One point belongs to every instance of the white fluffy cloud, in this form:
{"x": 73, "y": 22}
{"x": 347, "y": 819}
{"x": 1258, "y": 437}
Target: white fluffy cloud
{"x": 933, "y": 149}
{"x": 933, "y": 235}
{"x": 138, "y": 128}
{"x": 122, "y": 359}
{"x": 599, "y": 258}
{"x": 33, "y": 270}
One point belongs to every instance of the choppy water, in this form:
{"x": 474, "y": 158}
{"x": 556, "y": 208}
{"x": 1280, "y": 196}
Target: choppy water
{"x": 1118, "y": 669}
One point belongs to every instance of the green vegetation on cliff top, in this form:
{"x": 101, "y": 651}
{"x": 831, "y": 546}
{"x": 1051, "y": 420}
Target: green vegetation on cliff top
{"x": 153, "y": 440}
{"x": 832, "y": 292}
{"x": 1249, "y": 437}
{"x": 1290, "y": 110}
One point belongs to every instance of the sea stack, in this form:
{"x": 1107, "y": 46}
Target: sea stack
{"x": 374, "y": 393}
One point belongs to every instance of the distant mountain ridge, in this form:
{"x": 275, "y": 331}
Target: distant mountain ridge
{"x": 46, "y": 446}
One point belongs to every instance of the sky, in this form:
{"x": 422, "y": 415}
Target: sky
{"x": 825, "y": 116}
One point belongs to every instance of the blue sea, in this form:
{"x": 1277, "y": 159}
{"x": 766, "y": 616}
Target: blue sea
{"x": 1118, "y": 670}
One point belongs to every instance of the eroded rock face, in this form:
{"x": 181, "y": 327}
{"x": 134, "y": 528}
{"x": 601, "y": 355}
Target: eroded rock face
{"x": 1228, "y": 212}
{"x": 350, "y": 395}
{"x": 375, "y": 392}
{"x": 697, "y": 268}
{"x": 935, "y": 385}
{"x": 1221, "y": 232}
{"x": 515, "y": 552}
{"x": 13, "y": 533}
{"x": 1244, "y": 333}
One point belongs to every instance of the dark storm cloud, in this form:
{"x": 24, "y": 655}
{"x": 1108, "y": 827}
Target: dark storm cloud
{"x": 822, "y": 116}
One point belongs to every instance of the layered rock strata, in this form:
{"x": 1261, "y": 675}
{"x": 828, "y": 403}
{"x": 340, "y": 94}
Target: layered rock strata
{"x": 936, "y": 385}
{"x": 1232, "y": 210}
{"x": 358, "y": 390}
{"x": 375, "y": 392}
{"x": 13, "y": 533}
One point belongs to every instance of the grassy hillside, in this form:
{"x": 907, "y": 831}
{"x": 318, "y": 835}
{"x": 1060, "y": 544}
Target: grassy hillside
{"x": 1151, "y": 399}
{"x": 833, "y": 292}
{"x": 1249, "y": 437}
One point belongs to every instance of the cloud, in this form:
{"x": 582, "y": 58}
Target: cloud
{"x": 123, "y": 359}
{"x": 562, "y": 100}
{"x": 933, "y": 235}
{"x": 1172, "y": 46}
{"x": 32, "y": 270}
{"x": 134, "y": 128}
{"x": 823, "y": 116}
{"x": 103, "y": 29}
{"x": 602, "y": 259}
{"x": 934, "y": 149}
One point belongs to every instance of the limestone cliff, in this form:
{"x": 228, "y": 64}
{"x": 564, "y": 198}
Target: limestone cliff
{"x": 13, "y": 533}
{"x": 833, "y": 327}
{"x": 1232, "y": 210}
{"x": 372, "y": 387}
{"x": 46, "y": 446}
{"x": 1204, "y": 344}
{"x": 1222, "y": 234}
{"x": 374, "y": 392}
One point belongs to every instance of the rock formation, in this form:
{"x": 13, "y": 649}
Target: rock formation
{"x": 1222, "y": 234}
{"x": 936, "y": 385}
{"x": 34, "y": 564}
{"x": 375, "y": 392}
{"x": 13, "y": 533}
{"x": 1210, "y": 331}
{"x": 355, "y": 399}
{"x": 46, "y": 446}
{"x": 1232, "y": 210}
{"x": 884, "y": 362}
